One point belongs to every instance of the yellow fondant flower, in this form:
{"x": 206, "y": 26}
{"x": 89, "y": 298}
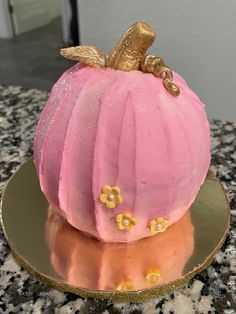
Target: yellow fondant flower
{"x": 158, "y": 225}
{"x": 153, "y": 277}
{"x": 110, "y": 196}
{"x": 125, "y": 285}
{"x": 125, "y": 221}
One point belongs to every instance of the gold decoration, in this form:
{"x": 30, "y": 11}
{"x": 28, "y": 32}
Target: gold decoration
{"x": 125, "y": 221}
{"x": 158, "y": 225}
{"x": 125, "y": 285}
{"x": 157, "y": 66}
{"x": 131, "y": 48}
{"x": 89, "y": 55}
{"x": 153, "y": 277}
{"x": 128, "y": 55}
{"x": 110, "y": 196}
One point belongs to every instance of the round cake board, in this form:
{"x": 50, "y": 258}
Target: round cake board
{"x": 68, "y": 261}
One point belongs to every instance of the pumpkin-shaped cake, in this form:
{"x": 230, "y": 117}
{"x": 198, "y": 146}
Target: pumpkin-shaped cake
{"x": 123, "y": 144}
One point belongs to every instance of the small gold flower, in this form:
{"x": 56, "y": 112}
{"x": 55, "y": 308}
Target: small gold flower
{"x": 153, "y": 277}
{"x": 125, "y": 221}
{"x": 125, "y": 285}
{"x": 158, "y": 225}
{"x": 110, "y": 196}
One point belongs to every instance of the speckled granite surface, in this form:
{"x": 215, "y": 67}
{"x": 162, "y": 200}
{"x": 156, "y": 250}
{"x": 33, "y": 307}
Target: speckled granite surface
{"x": 212, "y": 291}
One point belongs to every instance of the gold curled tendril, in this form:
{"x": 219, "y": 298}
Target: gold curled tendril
{"x": 128, "y": 55}
{"x": 157, "y": 66}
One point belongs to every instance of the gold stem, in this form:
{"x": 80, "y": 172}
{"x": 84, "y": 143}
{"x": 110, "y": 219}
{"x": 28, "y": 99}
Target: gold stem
{"x": 131, "y": 48}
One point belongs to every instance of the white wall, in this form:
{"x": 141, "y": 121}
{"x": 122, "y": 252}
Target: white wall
{"x": 54, "y": 8}
{"x": 28, "y": 15}
{"x": 196, "y": 38}
{"x": 5, "y": 23}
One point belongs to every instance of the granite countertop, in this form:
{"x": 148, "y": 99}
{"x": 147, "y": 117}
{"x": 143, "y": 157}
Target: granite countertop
{"x": 211, "y": 291}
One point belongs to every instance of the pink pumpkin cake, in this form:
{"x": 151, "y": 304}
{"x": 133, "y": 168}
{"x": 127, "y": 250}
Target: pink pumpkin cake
{"x": 123, "y": 144}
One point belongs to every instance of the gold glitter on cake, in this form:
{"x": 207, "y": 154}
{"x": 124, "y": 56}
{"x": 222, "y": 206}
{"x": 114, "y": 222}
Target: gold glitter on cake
{"x": 125, "y": 285}
{"x": 153, "y": 277}
{"x": 158, "y": 225}
{"x": 125, "y": 221}
{"x": 110, "y": 196}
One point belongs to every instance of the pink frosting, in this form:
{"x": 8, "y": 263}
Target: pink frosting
{"x": 108, "y": 127}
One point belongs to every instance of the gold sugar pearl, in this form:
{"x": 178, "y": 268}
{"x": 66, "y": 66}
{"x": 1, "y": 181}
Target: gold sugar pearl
{"x": 111, "y": 197}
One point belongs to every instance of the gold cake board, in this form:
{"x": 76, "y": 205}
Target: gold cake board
{"x": 24, "y": 217}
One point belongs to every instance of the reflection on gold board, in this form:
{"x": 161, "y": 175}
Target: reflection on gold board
{"x": 62, "y": 257}
{"x": 83, "y": 261}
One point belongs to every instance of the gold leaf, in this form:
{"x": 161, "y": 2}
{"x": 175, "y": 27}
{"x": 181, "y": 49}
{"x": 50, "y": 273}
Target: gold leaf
{"x": 89, "y": 55}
